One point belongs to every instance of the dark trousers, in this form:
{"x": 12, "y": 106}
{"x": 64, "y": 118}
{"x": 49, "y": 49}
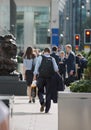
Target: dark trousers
{"x": 63, "y": 74}
{"x": 41, "y": 84}
{"x": 79, "y": 73}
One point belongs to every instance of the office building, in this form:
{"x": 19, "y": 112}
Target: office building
{"x": 34, "y": 22}
{"x": 76, "y": 15}
{"x": 7, "y": 17}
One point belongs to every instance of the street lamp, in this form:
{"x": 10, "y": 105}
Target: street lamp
{"x": 88, "y": 13}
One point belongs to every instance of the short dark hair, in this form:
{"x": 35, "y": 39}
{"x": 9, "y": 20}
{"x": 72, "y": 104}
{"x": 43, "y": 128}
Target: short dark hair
{"x": 54, "y": 48}
{"x": 47, "y": 50}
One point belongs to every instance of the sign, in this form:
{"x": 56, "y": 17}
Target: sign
{"x": 87, "y": 48}
{"x": 55, "y": 37}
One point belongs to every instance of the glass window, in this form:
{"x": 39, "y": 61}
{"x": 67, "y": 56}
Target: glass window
{"x": 41, "y": 23}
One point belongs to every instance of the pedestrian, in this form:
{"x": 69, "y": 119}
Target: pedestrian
{"x": 29, "y": 61}
{"x": 82, "y": 65}
{"x": 54, "y": 54}
{"x": 45, "y": 68}
{"x": 4, "y": 117}
{"x": 62, "y": 64}
{"x": 71, "y": 64}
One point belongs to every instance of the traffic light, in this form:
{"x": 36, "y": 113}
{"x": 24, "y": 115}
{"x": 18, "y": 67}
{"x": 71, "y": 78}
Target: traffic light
{"x": 87, "y": 36}
{"x": 76, "y": 47}
{"x": 77, "y": 39}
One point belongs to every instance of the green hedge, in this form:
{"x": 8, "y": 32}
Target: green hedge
{"x": 81, "y": 86}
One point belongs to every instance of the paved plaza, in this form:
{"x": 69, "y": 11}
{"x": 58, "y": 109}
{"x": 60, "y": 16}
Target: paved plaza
{"x": 28, "y": 117}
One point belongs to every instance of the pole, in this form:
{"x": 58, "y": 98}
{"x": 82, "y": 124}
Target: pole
{"x": 80, "y": 21}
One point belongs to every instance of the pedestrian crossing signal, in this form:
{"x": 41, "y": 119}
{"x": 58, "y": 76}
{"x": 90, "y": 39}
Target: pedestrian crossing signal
{"x": 76, "y": 47}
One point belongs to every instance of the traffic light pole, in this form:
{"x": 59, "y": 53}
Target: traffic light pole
{"x": 81, "y": 23}
{"x": 80, "y": 19}
{"x": 77, "y": 41}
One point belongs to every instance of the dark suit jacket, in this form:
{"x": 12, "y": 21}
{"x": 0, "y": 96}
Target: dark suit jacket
{"x": 62, "y": 67}
{"x": 71, "y": 62}
{"x": 55, "y": 57}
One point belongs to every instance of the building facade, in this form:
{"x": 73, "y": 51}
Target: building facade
{"x": 38, "y": 22}
{"x": 32, "y": 26}
{"x": 76, "y": 17}
{"x": 7, "y": 17}
{"x": 34, "y": 22}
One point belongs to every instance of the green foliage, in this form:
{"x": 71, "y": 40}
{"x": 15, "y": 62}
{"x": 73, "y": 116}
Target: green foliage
{"x": 89, "y": 61}
{"x": 87, "y": 72}
{"x": 84, "y": 54}
{"x": 89, "y": 54}
{"x": 81, "y": 86}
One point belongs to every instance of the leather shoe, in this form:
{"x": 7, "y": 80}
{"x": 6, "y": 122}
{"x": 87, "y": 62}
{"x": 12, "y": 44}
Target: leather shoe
{"x": 42, "y": 108}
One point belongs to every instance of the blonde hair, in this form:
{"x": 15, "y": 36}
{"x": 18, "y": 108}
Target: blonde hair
{"x": 69, "y": 46}
{"x": 62, "y": 52}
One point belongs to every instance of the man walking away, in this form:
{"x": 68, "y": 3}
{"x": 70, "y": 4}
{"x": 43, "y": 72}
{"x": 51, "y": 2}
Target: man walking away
{"x": 45, "y": 68}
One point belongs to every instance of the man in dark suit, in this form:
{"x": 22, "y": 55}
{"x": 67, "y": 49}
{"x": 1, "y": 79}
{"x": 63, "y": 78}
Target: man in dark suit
{"x": 70, "y": 62}
{"x": 54, "y": 54}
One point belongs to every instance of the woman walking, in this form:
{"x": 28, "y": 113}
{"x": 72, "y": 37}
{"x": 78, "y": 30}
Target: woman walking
{"x": 29, "y": 60}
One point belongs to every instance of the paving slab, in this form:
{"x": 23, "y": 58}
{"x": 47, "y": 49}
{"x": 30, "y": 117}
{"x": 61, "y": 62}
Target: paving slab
{"x": 28, "y": 116}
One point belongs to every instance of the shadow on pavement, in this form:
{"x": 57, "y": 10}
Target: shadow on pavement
{"x": 24, "y": 113}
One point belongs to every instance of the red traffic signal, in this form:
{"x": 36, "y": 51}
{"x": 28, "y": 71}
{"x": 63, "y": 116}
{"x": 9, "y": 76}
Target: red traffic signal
{"x": 76, "y": 47}
{"x": 87, "y": 32}
{"x": 87, "y": 36}
{"x": 77, "y": 39}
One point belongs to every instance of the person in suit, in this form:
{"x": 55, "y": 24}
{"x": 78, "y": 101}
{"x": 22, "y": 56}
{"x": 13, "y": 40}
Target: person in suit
{"x": 82, "y": 65}
{"x": 62, "y": 64}
{"x": 44, "y": 79}
{"x": 54, "y": 54}
{"x": 70, "y": 62}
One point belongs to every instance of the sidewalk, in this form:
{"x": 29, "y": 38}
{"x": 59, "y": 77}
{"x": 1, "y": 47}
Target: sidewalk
{"x": 28, "y": 117}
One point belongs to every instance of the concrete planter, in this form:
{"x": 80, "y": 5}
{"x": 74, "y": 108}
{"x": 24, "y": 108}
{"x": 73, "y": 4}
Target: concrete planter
{"x": 74, "y": 111}
{"x": 9, "y": 101}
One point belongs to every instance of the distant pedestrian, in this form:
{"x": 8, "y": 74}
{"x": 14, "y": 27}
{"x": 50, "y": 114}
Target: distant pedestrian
{"x": 45, "y": 68}
{"x": 82, "y": 65}
{"x": 71, "y": 64}
{"x": 4, "y": 117}
{"x": 29, "y": 61}
{"x": 54, "y": 54}
{"x": 62, "y": 64}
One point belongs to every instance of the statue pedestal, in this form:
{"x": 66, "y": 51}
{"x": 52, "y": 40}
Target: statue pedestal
{"x": 10, "y": 85}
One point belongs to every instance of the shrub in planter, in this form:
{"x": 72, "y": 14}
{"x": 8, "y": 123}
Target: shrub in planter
{"x": 83, "y": 85}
